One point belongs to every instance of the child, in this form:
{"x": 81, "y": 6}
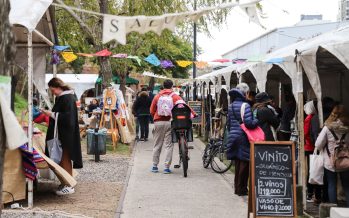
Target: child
{"x": 38, "y": 116}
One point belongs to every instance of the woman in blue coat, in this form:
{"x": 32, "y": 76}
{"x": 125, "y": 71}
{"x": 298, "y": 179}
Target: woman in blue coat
{"x": 239, "y": 146}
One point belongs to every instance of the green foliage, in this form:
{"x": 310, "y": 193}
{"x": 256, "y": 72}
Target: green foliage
{"x": 172, "y": 46}
{"x": 21, "y": 104}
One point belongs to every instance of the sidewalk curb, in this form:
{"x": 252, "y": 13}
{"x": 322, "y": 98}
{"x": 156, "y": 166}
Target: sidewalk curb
{"x": 129, "y": 171}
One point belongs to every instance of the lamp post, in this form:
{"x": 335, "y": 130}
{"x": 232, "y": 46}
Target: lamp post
{"x": 194, "y": 56}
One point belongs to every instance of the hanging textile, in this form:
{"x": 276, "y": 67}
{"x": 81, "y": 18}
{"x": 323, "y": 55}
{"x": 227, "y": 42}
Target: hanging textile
{"x": 29, "y": 167}
{"x": 55, "y": 57}
{"x": 69, "y": 56}
{"x": 152, "y": 59}
{"x": 166, "y": 64}
{"x": 103, "y": 53}
{"x": 184, "y": 63}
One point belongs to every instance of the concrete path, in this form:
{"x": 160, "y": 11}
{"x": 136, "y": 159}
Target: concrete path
{"x": 202, "y": 194}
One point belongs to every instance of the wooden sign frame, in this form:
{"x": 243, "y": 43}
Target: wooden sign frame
{"x": 252, "y": 196}
{"x": 201, "y": 116}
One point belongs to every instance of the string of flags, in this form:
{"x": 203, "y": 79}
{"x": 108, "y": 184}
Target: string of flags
{"x": 69, "y": 56}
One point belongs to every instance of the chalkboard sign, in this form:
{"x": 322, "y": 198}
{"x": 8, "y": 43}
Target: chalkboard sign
{"x": 273, "y": 179}
{"x": 197, "y": 107}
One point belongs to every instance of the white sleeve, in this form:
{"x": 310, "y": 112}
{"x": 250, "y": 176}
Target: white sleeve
{"x": 321, "y": 140}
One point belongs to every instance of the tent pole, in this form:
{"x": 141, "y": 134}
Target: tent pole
{"x": 30, "y": 110}
{"x": 301, "y": 158}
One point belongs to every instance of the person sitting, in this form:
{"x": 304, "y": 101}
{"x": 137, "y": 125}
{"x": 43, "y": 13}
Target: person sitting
{"x": 92, "y": 106}
{"x": 38, "y": 116}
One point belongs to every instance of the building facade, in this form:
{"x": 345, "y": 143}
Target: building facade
{"x": 278, "y": 38}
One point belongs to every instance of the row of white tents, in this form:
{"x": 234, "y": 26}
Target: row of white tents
{"x": 320, "y": 63}
{"x": 312, "y": 68}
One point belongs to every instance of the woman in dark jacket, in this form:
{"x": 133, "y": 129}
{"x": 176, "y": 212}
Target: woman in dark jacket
{"x": 68, "y": 128}
{"x": 141, "y": 109}
{"x": 266, "y": 115}
{"x": 239, "y": 146}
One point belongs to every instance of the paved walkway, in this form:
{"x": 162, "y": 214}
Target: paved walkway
{"x": 202, "y": 194}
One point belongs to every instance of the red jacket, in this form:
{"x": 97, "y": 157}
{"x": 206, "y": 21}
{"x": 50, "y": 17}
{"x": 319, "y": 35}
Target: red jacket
{"x": 308, "y": 146}
{"x": 153, "y": 107}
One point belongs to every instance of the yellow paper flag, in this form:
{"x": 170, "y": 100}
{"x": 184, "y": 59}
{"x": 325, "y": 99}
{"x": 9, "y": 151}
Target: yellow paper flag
{"x": 184, "y": 63}
{"x": 69, "y": 56}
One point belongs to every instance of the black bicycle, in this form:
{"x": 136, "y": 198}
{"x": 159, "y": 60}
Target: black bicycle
{"x": 215, "y": 155}
{"x": 182, "y": 133}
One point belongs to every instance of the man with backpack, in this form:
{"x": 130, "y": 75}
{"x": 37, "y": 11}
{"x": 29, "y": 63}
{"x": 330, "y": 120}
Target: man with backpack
{"x": 160, "y": 109}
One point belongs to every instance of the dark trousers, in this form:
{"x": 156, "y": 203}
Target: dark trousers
{"x": 242, "y": 171}
{"x": 144, "y": 126}
{"x": 312, "y": 189}
{"x": 332, "y": 185}
{"x": 137, "y": 127}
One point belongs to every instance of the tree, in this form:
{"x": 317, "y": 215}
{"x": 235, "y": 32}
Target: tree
{"x": 84, "y": 32}
{"x": 6, "y": 57}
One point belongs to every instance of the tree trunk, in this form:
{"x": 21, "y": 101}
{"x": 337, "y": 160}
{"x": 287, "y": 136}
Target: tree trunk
{"x": 93, "y": 39}
{"x": 152, "y": 83}
{"x": 7, "y": 52}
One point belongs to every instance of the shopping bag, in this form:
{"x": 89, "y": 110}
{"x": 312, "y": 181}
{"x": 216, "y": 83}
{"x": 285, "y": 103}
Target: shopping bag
{"x": 316, "y": 169}
{"x": 54, "y": 145}
{"x": 253, "y": 135}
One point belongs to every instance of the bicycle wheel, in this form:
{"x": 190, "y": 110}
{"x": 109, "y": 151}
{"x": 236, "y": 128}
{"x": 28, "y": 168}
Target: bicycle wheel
{"x": 206, "y": 156}
{"x": 184, "y": 155}
{"x": 219, "y": 162}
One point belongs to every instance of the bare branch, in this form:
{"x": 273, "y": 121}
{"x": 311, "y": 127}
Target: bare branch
{"x": 89, "y": 34}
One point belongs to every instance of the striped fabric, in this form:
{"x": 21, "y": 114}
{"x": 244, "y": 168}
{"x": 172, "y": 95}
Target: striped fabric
{"x": 30, "y": 159}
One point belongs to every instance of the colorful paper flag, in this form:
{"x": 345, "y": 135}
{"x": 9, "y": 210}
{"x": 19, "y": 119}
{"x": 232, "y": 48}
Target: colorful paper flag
{"x": 136, "y": 58}
{"x": 166, "y": 64}
{"x": 85, "y": 55}
{"x": 152, "y": 59}
{"x": 69, "y": 56}
{"x": 201, "y": 64}
{"x": 103, "y": 53}
{"x": 54, "y": 57}
{"x": 61, "y": 47}
{"x": 120, "y": 55}
{"x": 184, "y": 63}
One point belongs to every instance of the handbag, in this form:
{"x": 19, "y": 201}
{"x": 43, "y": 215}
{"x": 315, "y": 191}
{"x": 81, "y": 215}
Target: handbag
{"x": 316, "y": 168}
{"x": 340, "y": 156}
{"x": 253, "y": 135}
{"x": 54, "y": 145}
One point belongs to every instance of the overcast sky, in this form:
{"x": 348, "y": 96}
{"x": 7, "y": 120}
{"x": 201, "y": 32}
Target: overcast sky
{"x": 239, "y": 30}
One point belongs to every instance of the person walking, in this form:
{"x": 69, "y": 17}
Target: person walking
{"x": 336, "y": 129}
{"x": 267, "y": 117}
{"x": 160, "y": 109}
{"x": 311, "y": 131}
{"x": 238, "y": 144}
{"x": 68, "y": 129}
{"x": 142, "y": 112}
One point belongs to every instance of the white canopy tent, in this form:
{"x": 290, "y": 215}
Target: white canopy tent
{"x": 30, "y": 14}
{"x": 79, "y": 82}
{"x": 323, "y": 59}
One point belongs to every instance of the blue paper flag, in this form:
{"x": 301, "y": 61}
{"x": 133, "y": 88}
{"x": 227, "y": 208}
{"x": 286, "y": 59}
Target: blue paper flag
{"x": 61, "y": 47}
{"x": 275, "y": 61}
{"x": 152, "y": 59}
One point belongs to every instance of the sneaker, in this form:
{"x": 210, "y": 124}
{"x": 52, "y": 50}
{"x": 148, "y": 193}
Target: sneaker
{"x": 310, "y": 200}
{"x": 167, "y": 171}
{"x": 65, "y": 190}
{"x": 155, "y": 169}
